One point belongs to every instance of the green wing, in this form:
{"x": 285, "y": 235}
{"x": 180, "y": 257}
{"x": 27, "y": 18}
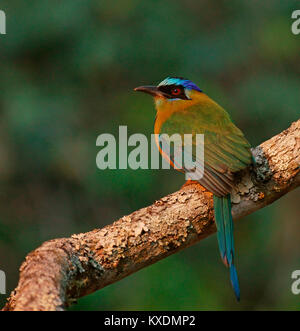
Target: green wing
{"x": 226, "y": 150}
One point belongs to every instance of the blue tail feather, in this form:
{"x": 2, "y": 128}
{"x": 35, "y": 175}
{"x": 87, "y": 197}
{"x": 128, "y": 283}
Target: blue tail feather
{"x": 224, "y": 223}
{"x": 235, "y": 282}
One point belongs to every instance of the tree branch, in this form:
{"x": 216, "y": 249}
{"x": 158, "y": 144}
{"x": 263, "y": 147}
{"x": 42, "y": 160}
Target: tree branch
{"x": 62, "y": 270}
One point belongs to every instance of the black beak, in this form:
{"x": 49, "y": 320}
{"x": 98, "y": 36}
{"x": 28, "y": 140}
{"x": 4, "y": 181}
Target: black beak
{"x": 152, "y": 90}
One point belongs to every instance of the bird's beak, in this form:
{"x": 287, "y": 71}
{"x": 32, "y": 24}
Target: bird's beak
{"x": 152, "y": 90}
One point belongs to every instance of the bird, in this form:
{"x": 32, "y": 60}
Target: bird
{"x": 183, "y": 108}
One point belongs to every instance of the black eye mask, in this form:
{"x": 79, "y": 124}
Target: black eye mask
{"x": 173, "y": 91}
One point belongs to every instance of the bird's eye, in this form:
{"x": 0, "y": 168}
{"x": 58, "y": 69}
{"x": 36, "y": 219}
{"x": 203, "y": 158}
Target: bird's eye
{"x": 176, "y": 91}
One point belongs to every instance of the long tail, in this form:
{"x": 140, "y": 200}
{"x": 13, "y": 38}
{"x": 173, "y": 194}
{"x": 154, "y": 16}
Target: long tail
{"x": 224, "y": 223}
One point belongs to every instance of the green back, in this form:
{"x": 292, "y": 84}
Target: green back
{"x": 226, "y": 150}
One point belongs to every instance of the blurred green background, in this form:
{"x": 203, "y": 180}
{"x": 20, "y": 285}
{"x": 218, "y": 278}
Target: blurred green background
{"x": 66, "y": 75}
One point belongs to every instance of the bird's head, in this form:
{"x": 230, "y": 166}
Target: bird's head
{"x": 172, "y": 91}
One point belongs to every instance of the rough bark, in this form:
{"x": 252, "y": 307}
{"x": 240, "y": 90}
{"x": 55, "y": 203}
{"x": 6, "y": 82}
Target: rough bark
{"x": 62, "y": 270}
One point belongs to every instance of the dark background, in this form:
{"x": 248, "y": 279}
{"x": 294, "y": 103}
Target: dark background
{"x": 66, "y": 75}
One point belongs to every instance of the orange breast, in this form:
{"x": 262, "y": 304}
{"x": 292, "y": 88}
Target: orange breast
{"x": 161, "y": 117}
{"x": 165, "y": 109}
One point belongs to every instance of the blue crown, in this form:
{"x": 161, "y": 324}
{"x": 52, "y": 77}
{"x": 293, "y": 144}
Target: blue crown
{"x": 180, "y": 81}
